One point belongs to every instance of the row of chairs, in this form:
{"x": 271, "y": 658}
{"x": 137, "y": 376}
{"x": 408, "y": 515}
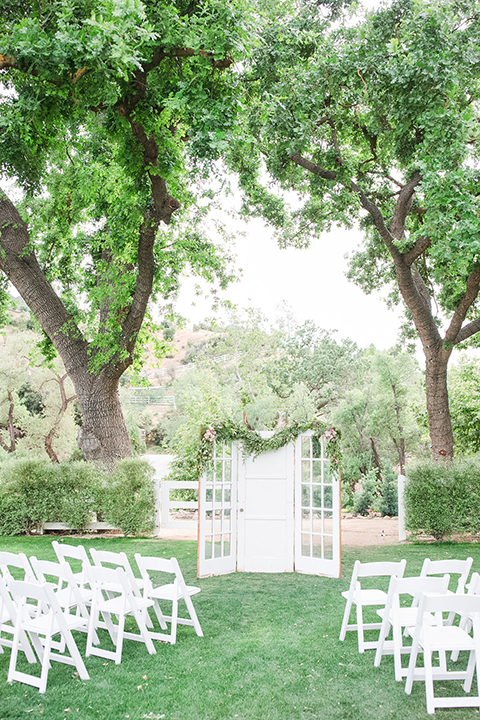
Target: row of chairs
{"x": 42, "y": 602}
{"x": 436, "y": 617}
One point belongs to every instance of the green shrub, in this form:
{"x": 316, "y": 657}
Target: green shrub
{"x": 33, "y": 492}
{"x": 388, "y": 504}
{"x": 13, "y": 513}
{"x": 129, "y": 497}
{"x": 443, "y": 498}
{"x": 29, "y": 483}
{"x": 363, "y": 499}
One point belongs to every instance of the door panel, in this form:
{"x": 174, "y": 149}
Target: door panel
{"x": 265, "y": 512}
{"x": 217, "y": 547}
{"x": 317, "y": 509}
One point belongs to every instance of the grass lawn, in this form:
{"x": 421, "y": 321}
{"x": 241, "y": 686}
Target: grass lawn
{"x": 270, "y": 651}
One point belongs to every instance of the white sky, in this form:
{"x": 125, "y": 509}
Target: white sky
{"x": 311, "y": 281}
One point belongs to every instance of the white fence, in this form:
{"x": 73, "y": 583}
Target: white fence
{"x": 168, "y": 505}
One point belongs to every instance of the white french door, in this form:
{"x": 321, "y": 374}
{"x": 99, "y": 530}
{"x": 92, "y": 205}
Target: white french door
{"x": 277, "y": 512}
{"x": 265, "y": 512}
{"x": 217, "y": 512}
{"x": 317, "y": 509}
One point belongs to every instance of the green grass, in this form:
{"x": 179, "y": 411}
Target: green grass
{"x": 270, "y": 652}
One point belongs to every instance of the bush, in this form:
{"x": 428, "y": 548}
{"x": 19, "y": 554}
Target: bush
{"x": 363, "y": 499}
{"x": 129, "y": 497}
{"x": 33, "y": 492}
{"x": 388, "y": 504}
{"x": 441, "y": 499}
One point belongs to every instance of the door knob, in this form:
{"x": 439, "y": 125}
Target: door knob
{"x": 241, "y": 509}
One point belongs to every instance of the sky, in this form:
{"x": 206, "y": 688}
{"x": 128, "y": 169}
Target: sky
{"x": 311, "y": 282}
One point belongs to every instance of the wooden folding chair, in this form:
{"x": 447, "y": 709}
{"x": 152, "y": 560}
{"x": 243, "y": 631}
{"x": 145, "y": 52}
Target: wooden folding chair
{"x": 113, "y": 598}
{"x": 431, "y": 634}
{"x": 398, "y": 617}
{"x": 8, "y": 616}
{"x": 171, "y": 592}
{"x": 364, "y": 597}
{"x": 41, "y": 629}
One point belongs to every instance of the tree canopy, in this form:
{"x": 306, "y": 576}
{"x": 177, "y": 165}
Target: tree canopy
{"x": 377, "y": 123}
{"x": 111, "y": 116}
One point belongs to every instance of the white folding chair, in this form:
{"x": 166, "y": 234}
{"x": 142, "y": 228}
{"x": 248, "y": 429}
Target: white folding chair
{"x": 75, "y": 553}
{"x": 364, "y": 597}
{"x": 451, "y": 567}
{"x": 69, "y": 595}
{"x": 113, "y": 598}
{"x": 399, "y": 617}
{"x": 8, "y": 616}
{"x": 171, "y": 592}
{"x": 20, "y": 562}
{"x": 430, "y": 634}
{"x": 106, "y": 558}
{"x": 41, "y": 629}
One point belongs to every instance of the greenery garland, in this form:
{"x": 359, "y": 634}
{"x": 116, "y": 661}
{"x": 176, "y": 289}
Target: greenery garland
{"x": 255, "y": 445}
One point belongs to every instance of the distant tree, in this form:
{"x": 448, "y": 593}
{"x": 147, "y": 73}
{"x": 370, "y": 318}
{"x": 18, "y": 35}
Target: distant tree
{"x": 35, "y": 400}
{"x": 464, "y": 392}
{"x": 378, "y": 414}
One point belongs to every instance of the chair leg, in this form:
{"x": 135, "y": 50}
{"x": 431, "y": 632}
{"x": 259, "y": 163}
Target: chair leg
{"x": 174, "y": 621}
{"x": 119, "y": 643}
{"x": 346, "y": 617}
{"x": 45, "y": 664}
{"x": 76, "y": 657}
{"x": 160, "y": 615}
{"x": 361, "y": 639}
{"x": 427, "y": 659}
{"x": 397, "y": 653}
{"x": 467, "y": 685}
{"x": 193, "y": 615}
{"x": 384, "y": 631}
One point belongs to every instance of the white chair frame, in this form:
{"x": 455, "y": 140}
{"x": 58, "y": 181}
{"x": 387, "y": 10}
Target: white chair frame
{"x": 8, "y": 616}
{"x": 398, "y": 618}
{"x": 170, "y": 592}
{"x": 41, "y": 629}
{"x": 364, "y": 597}
{"x": 115, "y": 603}
{"x": 433, "y": 635}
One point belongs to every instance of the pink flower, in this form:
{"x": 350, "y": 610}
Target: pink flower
{"x": 210, "y": 434}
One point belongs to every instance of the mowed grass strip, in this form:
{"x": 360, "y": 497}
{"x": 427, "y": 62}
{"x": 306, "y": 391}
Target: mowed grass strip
{"x": 270, "y": 651}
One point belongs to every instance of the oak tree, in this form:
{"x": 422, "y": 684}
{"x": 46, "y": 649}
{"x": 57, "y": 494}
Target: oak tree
{"x": 378, "y": 123}
{"x": 109, "y": 111}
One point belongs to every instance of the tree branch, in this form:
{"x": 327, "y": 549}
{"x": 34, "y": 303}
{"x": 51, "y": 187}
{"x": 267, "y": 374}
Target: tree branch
{"x": 312, "y": 167}
{"x": 471, "y": 294}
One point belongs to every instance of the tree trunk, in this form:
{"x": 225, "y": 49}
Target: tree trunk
{"x": 439, "y": 421}
{"x": 103, "y": 436}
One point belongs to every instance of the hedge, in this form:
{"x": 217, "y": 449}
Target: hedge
{"x": 33, "y": 492}
{"x": 443, "y": 498}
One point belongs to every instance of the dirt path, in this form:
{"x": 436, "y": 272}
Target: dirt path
{"x": 356, "y": 532}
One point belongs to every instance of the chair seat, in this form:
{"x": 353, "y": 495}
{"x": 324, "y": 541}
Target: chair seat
{"x": 171, "y": 592}
{"x": 41, "y": 624}
{"x": 369, "y": 597}
{"x": 450, "y": 637}
{"x": 116, "y": 605}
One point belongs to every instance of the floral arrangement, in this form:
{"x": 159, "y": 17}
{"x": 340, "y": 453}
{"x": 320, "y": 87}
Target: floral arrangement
{"x": 255, "y": 445}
